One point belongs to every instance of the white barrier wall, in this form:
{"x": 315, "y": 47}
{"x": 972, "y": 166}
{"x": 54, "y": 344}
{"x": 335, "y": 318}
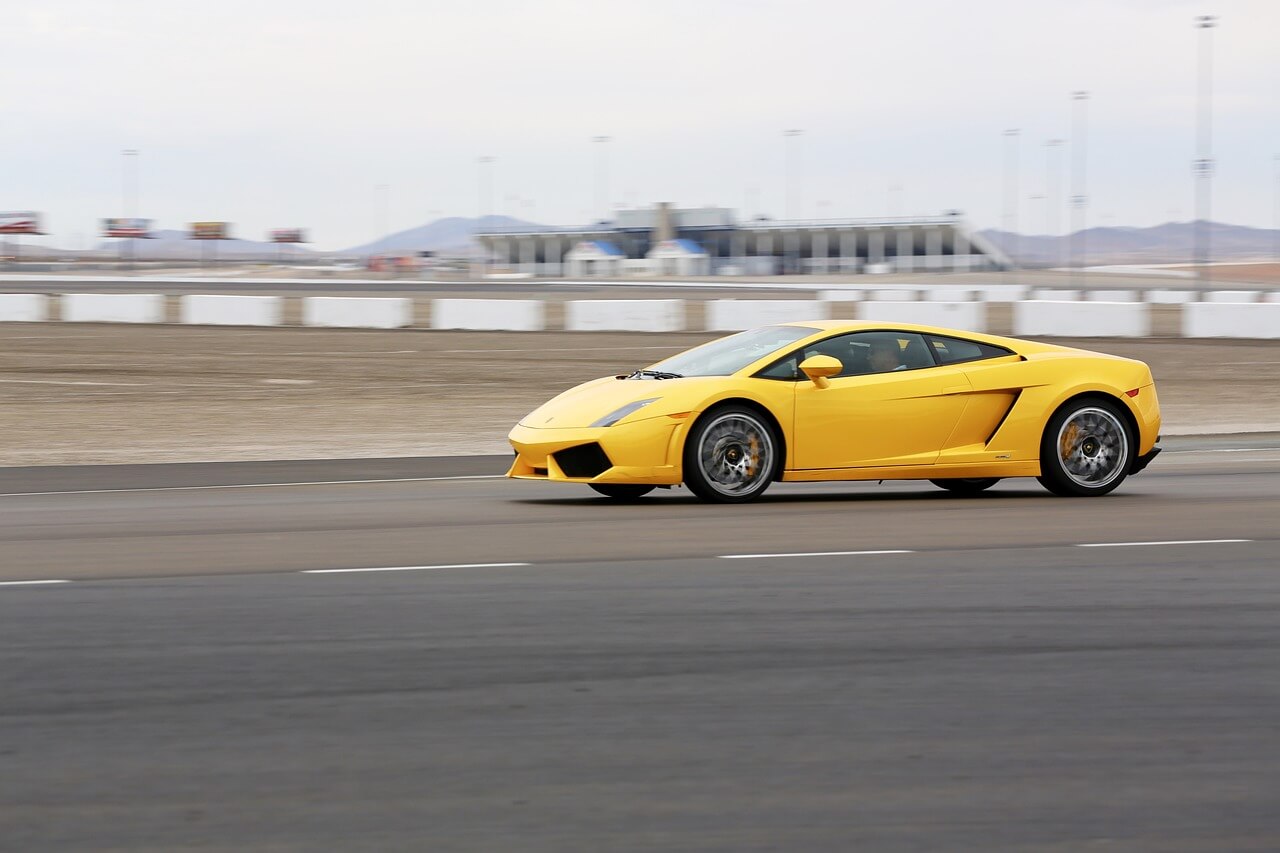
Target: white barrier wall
{"x": 507, "y": 315}
{"x": 220, "y": 310}
{"x": 1049, "y": 294}
{"x": 1162, "y": 296}
{"x": 1082, "y": 319}
{"x": 1112, "y": 296}
{"x": 950, "y": 294}
{"x": 841, "y": 295}
{"x": 624, "y": 315}
{"x": 357, "y": 312}
{"x": 1231, "y": 296}
{"x": 898, "y": 295}
{"x": 23, "y": 308}
{"x": 970, "y": 316}
{"x": 113, "y": 307}
{"x": 734, "y": 315}
{"x": 1231, "y": 320}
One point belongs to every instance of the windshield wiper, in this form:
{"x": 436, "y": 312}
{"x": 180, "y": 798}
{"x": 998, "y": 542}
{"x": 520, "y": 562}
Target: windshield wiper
{"x": 656, "y": 374}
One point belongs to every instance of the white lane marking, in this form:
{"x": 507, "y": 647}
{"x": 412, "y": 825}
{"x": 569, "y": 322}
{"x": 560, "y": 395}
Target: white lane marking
{"x": 810, "y": 554}
{"x": 61, "y": 382}
{"x": 1166, "y": 542}
{"x": 413, "y": 568}
{"x": 31, "y": 583}
{"x": 1226, "y": 450}
{"x": 252, "y": 486}
{"x": 288, "y": 381}
{"x": 556, "y": 349}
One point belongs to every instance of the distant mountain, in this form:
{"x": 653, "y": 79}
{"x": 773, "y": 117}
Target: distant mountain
{"x": 1168, "y": 243}
{"x": 177, "y": 245}
{"x": 454, "y": 232}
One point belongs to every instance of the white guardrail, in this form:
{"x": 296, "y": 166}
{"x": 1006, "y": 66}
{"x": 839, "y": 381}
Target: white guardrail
{"x": 357, "y": 312}
{"x": 113, "y": 307}
{"x": 1222, "y": 314}
{"x": 231, "y": 310}
{"x": 23, "y": 308}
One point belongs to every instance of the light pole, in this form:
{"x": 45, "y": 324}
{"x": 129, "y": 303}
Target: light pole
{"x": 1011, "y": 192}
{"x": 1203, "y": 164}
{"x": 1053, "y": 191}
{"x": 129, "y": 195}
{"x": 792, "y": 164}
{"x": 602, "y": 175}
{"x": 1079, "y": 196}
{"x": 1275, "y": 214}
{"x": 484, "y": 201}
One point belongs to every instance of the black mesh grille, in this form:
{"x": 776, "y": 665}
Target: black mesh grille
{"x": 585, "y": 460}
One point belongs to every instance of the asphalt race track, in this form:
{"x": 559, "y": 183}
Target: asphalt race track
{"x": 549, "y": 671}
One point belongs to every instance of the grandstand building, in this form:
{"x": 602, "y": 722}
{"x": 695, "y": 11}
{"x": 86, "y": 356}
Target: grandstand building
{"x": 669, "y": 241}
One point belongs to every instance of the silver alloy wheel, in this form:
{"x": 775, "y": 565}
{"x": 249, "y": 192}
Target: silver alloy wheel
{"x": 1093, "y": 447}
{"x": 736, "y": 454}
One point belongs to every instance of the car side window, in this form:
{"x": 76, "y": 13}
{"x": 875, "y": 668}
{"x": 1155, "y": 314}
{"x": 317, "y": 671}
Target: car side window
{"x": 954, "y": 350}
{"x": 860, "y": 354}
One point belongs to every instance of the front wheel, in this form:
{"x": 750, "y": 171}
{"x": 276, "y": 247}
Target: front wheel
{"x": 621, "y": 491}
{"x": 1086, "y": 448}
{"x": 731, "y": 455}
{"x": 966, "y": 485}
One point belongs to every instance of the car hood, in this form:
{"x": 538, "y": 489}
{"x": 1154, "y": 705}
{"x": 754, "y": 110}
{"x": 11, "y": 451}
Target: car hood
{"x": 589, "y": 402}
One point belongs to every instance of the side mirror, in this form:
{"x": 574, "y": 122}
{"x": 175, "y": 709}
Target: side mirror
{"x": 819, "y": 368}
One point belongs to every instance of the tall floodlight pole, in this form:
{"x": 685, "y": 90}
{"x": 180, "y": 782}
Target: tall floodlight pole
{"x": 1203, "y": 165}
{"x": 1011, "y": 192}
{"x": 1275, "y": 214}
{"x": 484, "y": 201}
{"x": 602, "y": 175}
{"x": 1079, "y": 195}
{"x": 1053, "y": 191}
{"x": 129, "y": 193}
{"x": 792, "y": 143}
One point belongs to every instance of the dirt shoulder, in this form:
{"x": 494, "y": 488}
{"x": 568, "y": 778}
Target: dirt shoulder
{"x": 82, "y": 394}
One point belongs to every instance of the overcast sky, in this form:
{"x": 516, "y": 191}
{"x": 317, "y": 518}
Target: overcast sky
{"x": 281, "y": 113}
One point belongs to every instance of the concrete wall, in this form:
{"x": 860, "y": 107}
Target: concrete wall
{"x": 113, "y": 307}
{"x": 231, "y": 310}
{"x": 512, "y": 315}
{"x": 971, "y": 316}
{"x": 1231, "y": 320}
{"x": 625, "y": 315}
{"x": 357, "y": 312}
{"x": 1082, "y": 319}
{"x": 23, "y": 308}
{"x": 734, "y": 315}
{"x": 1161, "y": 296}
{"x": 1231, "y": 296}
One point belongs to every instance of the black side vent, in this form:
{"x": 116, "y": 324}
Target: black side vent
{"x": 585, "y": 460}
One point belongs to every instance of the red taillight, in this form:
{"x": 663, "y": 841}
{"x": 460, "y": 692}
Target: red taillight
{"x": 1132, "y": 393}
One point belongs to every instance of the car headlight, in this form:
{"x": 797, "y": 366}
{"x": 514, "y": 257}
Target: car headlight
{"x": 620, "y": 413}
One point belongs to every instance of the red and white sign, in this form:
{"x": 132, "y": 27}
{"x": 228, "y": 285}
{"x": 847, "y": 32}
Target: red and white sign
{"x": 288, "y": 235}
{"x": 210, "y": 230}
{"x": 20, "y": 222}
{"x": 126, "y": 228}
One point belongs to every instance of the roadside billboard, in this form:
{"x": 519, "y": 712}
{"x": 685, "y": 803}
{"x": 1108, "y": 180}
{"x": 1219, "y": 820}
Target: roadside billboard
{"x": 288, "y": 235}
{"x": 126, "y": 228}
{"x": 20, "y": 222}
{"x": 210, "y": 230}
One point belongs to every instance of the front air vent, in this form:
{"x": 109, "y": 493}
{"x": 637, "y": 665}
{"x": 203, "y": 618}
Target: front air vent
{"x": 585, "y": 460}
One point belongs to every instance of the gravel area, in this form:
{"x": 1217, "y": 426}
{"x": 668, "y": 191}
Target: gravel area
{"x": 80, "y": 394}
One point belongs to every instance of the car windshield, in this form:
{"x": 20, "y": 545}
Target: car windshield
{"x": 727, "y": 356}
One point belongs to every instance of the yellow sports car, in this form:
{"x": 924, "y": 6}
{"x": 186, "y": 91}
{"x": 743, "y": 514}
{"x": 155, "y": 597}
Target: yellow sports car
{"x": 834, "y": 400}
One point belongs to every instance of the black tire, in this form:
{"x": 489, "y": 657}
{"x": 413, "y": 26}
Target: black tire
{"x": 732, "y": 454}
{"x": 621, "y": 491}
{"x": 1087, "y": 448}
{"x": 966, "y": 485}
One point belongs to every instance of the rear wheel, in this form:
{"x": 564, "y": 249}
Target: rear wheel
{"x": 966, "y": 485}
{"x": 730, "y": 456}
{"x": 621, "y": 491}
{"x": 1086, "y": 449}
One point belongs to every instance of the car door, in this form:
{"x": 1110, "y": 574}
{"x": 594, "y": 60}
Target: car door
{"x": 870, "y": 416}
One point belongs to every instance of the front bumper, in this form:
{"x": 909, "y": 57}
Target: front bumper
{"x": 646, "y": 452}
